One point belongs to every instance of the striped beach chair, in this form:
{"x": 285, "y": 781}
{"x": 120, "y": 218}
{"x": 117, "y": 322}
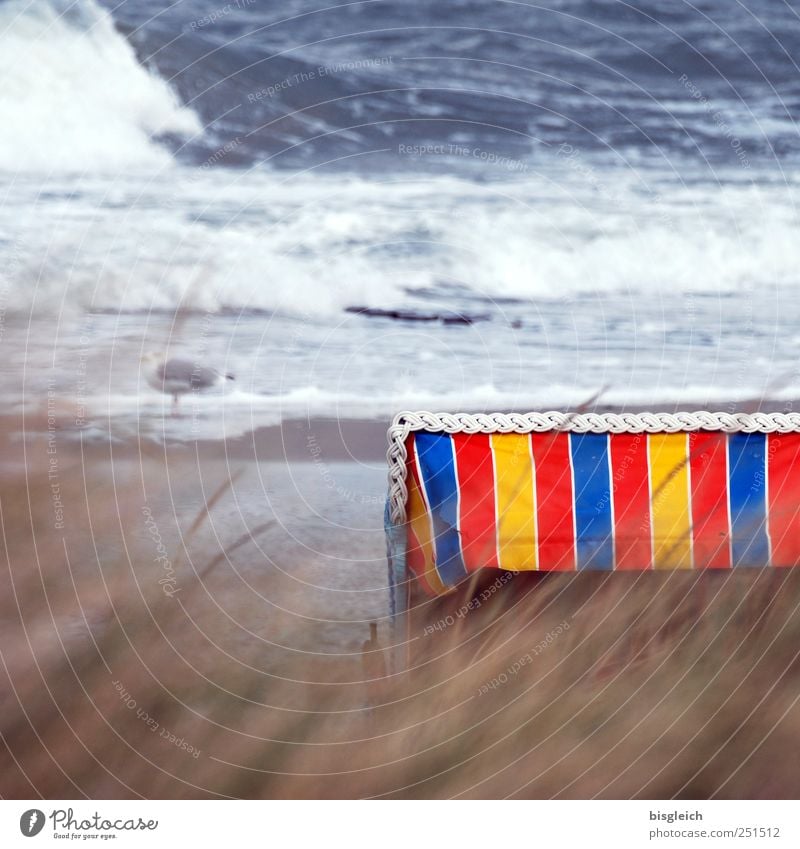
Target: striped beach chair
{"x": 565, "y": 492}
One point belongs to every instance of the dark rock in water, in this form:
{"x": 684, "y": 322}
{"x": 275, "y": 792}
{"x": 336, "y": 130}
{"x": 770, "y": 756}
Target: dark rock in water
{"x": 416, "y": 315}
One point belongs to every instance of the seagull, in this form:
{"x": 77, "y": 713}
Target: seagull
{"x": 176, "y": 377}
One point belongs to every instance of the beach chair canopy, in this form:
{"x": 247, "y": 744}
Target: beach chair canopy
{"x": 558, "y": 491}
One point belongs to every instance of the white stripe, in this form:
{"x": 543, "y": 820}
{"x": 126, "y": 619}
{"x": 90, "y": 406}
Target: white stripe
{"x": 496, "y": 505}
{"x": 651, "y": 506}
{"x": 611, "y": 505}
{"x": 728, "y": 499}
{"x": 574, "y": 503}
{"x": 458, "y": 502}
{"x": 535, "y": 505}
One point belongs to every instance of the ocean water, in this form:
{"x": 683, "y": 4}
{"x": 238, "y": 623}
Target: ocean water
{"x": 397, "y": 204}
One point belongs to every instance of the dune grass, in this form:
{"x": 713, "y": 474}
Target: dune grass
{"x": 675, "y": 684}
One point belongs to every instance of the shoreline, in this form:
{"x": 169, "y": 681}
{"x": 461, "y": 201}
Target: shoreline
{"x": 303, "y": 439}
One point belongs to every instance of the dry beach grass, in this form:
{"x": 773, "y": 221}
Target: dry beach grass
{"x": 122, "y": 675}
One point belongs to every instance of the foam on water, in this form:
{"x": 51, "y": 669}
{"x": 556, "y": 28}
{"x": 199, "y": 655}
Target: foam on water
{"x": 237, "y": 413}
{"x": 611, "y": 226}
{"x": 74, "y": 97}
{"x": 313, "y": 246}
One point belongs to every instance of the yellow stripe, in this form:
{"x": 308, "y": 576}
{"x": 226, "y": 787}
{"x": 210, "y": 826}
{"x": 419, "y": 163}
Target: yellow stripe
{"x": 516, "y": 506}
{"x": 420, "y": 524}
{"x": 669, "y": 491}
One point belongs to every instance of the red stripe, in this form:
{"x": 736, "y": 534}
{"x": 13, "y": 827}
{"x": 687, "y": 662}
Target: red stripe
{"x": 476, "y": 504}
{"x": 709, "y": 484}
{"x": 631, "y": 488}
{"x": 783, "y": 460}
{"x": 554, "y": 502}
{"x": 411, "y": 454}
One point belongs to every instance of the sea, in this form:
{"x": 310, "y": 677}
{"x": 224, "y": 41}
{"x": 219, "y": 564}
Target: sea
{"x": 365, "y": 207}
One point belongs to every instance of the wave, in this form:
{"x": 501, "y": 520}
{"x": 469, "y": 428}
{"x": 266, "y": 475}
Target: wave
{"x": 307, "y": 86}
{"x": 315, "y": 247}
{"x": 74, "y": 97}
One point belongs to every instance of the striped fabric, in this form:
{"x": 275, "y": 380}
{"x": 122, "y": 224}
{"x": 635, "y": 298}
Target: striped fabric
{"x": 567, "y": 501}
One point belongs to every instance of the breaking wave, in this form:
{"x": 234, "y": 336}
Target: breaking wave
{"x": 74, "y": 96}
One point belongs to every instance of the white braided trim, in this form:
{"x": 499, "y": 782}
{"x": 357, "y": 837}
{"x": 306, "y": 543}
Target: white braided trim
{"x": 407, "y": 422}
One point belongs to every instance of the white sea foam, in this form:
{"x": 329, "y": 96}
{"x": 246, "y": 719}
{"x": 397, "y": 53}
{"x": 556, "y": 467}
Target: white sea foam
{"x": 312, "y": 246}
{"x": 74, "y": 97}
{"x": 235, "y": 413}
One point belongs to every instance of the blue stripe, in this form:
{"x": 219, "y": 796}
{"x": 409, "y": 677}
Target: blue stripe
{"x": 747, "y": 454}
{"x": 435, "y": 452}
{"x": 593, "y": 521}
